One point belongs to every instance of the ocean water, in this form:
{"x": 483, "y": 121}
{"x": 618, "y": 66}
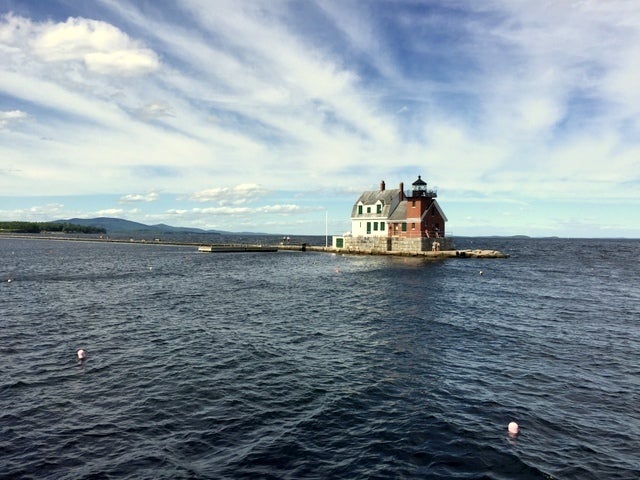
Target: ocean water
{"x": 296, "y": 365}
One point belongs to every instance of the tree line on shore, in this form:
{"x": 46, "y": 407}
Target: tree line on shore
{"x": 40, "y": 227}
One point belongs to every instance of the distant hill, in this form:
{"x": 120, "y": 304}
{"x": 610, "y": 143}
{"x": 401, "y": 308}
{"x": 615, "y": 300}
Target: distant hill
{"x": 119, "y": 225}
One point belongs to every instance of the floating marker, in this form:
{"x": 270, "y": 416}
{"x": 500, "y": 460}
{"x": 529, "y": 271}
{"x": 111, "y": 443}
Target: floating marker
{"x": 82, "y": 354}
{"x": 480, "y": 272}
{"x": 513, "y": 428}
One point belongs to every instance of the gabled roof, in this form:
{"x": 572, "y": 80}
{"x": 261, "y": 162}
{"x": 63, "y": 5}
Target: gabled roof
{"x": 400, "y": 213}
{"x": 386, "y": 197}
{"x": 437, "y": 206}
{"x": 372, "y": 196}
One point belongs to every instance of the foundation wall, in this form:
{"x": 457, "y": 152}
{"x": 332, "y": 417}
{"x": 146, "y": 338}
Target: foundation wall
{"x": 391, "y": 244}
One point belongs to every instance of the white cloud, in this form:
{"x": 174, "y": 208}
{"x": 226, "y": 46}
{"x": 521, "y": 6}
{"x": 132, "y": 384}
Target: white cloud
{"x": 536, "y": 114}
{"x": 34, "y": 213}
{"x": 109, "y": 212}
{"x": 133, "y": 61}
{"x": 239, "y": 194}
{"x": 579, "y": 51}
{"x": 136, "y": 197}
{"x": 282, "y": 209}
{"x": 10, "y": 117}
{"x": 228, "y": 210}
{"x": 49, "y": 209}
{"x": 154, "y": 110}
{"x": 102, "y": 47}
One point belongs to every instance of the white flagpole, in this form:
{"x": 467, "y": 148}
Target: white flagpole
{"x": 326, "y": 228}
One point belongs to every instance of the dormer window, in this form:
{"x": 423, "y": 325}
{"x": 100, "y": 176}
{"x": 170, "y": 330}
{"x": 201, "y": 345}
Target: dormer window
{"x": 368, "y": 209}
{"x": 379, "y": 208}
{"x": 359, "y": 209}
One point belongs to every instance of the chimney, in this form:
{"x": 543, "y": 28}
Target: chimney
{"x": 401, "y": 194}
{"x": 382, "y": 186}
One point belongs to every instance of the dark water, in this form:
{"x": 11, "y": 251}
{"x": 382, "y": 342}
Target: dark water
{"x": 310, "y": 365}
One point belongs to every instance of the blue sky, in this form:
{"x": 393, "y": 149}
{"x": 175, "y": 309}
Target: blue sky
{"x": 271, "y": 116}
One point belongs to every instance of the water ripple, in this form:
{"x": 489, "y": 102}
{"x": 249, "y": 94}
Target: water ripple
{"x": 319, "y": 366}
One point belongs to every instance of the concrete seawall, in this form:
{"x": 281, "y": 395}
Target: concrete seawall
{"x": 440, "y": 254}
{"x": 430, "y": 254}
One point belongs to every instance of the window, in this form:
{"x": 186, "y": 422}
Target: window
{"x": 375, "y": 226}
{"x": 413, "y": 203}
{"x": 404, "y": 226}
{"x": 413, "y": 226}
{"x": 368, "y": 228}
{"x": 359, "y": 209}
{"x": 379, "y": 208}
{"x": 368, "y": 209}
{"x": 381, "y": 225}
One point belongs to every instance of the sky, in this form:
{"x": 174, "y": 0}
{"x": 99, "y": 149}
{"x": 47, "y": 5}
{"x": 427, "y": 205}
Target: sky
{"x": 273, "y": 116}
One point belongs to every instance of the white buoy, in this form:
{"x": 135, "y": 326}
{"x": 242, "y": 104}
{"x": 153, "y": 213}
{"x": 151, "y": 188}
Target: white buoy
{"x": 513, "y": 428}
{"x": 480, "y": 272}
{"x": 82, "y": 354}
